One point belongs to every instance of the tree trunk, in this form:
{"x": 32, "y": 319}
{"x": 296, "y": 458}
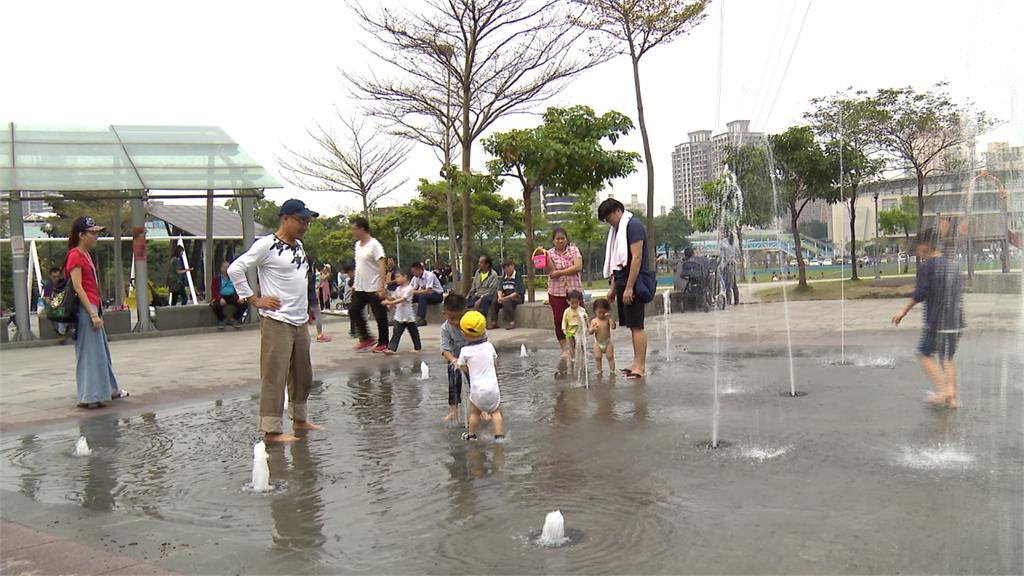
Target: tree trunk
{"x": 366, "y": 207}
{"x": 467, "y": 216}
{"x": 920, "y": 199}
{"x": 531, "y": 275}
{"x": 853, "y": 235}
{"x": 648, "y": 160}
{"x": 801, "y": 267}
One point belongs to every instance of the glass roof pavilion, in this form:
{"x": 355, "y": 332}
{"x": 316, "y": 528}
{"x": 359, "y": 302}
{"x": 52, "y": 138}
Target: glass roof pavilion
{"x": 55, "y": 158}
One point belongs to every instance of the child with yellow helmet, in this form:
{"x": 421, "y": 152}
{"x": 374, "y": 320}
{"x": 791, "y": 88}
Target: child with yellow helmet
{"x": 477, "y": 359}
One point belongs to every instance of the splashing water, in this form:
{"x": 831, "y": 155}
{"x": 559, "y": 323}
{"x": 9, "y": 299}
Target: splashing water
{"x": 784, "y": 267}
{"x": 82, "y": 447}
{"x": 553, "y": 534}
{"x": 943, "y": 456}
{"x": 522, "y": 352}
{"x": 424, "y": 371}
{"x": 260, "y": 468}
{"x": 583, "y": 368}
{"x": 761, "y": 454}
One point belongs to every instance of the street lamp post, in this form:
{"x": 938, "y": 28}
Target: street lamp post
{"x": 878, "y": 242}
{"x": 501, "y": 238}
{"x": 398, "y": 247}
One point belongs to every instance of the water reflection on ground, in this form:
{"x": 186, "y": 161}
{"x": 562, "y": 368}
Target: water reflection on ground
{"x": 857, "y": 476}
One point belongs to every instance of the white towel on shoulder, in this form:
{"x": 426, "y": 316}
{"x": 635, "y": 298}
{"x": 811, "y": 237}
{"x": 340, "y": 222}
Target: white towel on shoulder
{"x": 616, "y": 251}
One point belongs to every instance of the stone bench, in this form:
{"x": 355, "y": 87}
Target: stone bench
{"x": 189, "y": 316}
{"x": 114, "y": 321}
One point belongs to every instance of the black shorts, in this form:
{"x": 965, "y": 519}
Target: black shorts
{"x": 941, "y": 343}
{"x": 631, "y": 316}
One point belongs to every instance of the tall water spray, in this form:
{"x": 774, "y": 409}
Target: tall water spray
{"x": 260, "y": 468}
{"x": 82, "y": 447}
{"x": 783, "y": 266}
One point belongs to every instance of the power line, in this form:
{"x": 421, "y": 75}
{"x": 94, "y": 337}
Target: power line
{"x": 789, "y": 61}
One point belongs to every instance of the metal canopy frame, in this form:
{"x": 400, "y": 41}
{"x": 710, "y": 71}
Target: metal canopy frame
{"x": 123, "y": 162}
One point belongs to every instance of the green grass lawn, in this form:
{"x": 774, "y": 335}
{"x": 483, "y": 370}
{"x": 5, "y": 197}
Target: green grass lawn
{"x": 901, "y": 287}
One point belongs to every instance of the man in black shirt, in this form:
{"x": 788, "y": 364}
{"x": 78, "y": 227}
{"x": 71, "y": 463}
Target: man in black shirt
{"x": 627, "y": 265}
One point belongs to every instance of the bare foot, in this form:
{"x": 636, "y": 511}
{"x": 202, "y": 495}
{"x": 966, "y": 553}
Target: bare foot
{"x": 936, "y": 400}
{"x": 305, "y": 425}
{"x": 452, "y": 415}
{"x": 600, "y": 373}
{"x": 565, "y": 356}
{"x": 485, "y": 416}
{"x": 951, "y": 403}
{"x": 279, "y": 438}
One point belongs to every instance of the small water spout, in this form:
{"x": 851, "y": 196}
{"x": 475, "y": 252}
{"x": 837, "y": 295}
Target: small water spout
{"x": 424, "y": 371}
{"x": 522, "y": 352}
{"x": 584, "y": 362}
{"x": 667, "y": 297}
{"x": 82, "y": 447}
{"x": 553, "y": 534}
{"x": 260, "y": 468}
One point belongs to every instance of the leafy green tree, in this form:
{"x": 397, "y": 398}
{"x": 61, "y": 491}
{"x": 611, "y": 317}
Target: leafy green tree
{"x": 902, "y": 218}
{"x": 815, "y": 229}
{"x": 72, "y": 205}
{"x": 847, "y": 125}
{"x": 329, "y": 240}
{"x": 635, "y": 27}
{"x": 923, "y": 130}
{"x": 421, "y": 218}
{"x": 565, "y": 152}
{"x": 264, "y": 211}
{"x": 676, "y": 229}
{"x": 584, "y": 228}
{"x": 802, "y": 175}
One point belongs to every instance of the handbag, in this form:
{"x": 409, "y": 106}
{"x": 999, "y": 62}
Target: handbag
{"x": 646, "y": 286}
{"x": 64, "y": 304}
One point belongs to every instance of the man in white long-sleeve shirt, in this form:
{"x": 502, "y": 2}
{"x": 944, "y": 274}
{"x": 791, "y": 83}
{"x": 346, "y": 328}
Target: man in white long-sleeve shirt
{"x": 283, "y": 303}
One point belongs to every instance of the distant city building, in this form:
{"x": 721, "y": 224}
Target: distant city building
{"x": 556, "y": 205}
{"x": 700, "y": 160}
{"x": 636, "y": 206}
{"x": 1001, "y": 157}
{"x": 663, "y": 211}
{"x": 33, "y": 203}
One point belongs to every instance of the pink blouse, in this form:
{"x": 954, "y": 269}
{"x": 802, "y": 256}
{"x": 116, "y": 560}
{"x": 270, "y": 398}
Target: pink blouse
{"x": 561, "y": 285}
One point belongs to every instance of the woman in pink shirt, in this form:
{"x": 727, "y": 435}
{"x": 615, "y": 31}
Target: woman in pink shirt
{"x": 564, "y": 265}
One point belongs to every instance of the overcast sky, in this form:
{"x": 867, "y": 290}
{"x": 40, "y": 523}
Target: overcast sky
{"x": 265, "y": 71}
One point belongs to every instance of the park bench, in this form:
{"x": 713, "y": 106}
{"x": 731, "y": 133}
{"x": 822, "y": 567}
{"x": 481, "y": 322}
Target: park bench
{"x": 188, "y": 316}
{"x": 114, "y": 321}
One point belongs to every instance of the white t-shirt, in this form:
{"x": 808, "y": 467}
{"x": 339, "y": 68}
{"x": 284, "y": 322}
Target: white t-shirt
{"x": 368, "y": 257}
{"x": 283, "y": 271}
{"x": 480, "y": 360}
{"x": 403, "y": 310}
{"x": 483, "y": 380}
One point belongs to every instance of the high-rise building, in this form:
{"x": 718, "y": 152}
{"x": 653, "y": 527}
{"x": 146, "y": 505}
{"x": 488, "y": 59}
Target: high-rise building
{"x": 557, "y": 205}
{"x": 701, "y": 159}
{"x": 636, "y": 206}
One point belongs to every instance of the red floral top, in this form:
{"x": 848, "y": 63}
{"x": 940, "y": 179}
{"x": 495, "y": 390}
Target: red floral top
{"x": 561, "y": 285}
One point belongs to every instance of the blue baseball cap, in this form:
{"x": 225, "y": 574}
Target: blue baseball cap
{"x": 296, "y": 207}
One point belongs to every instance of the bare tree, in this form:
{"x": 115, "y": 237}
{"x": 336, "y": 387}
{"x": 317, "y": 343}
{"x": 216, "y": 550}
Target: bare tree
{"x": 635, "y": 27}
{"x": 360, "y": 161}
{"x": 491, "y": 58}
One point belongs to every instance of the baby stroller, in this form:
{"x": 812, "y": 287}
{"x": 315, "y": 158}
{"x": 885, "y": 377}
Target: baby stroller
{"x": 698, "y": 281}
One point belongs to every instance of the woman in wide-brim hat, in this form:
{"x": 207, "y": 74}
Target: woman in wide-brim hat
{"x": 94, "y": 373}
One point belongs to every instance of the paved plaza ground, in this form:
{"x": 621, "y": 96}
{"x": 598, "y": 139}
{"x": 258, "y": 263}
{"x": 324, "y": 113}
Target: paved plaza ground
{"x": 857, "y": 476}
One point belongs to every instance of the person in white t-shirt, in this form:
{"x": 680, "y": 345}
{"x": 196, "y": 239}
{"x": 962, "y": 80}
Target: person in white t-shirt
{"x": 477, "y": 359}
{"x": 284, "y": 307}
{"x": 369, "y": 288}
{"x": 405, "y": 318}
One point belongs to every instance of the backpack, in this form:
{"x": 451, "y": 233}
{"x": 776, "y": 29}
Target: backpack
{"x": 64, "y": 304}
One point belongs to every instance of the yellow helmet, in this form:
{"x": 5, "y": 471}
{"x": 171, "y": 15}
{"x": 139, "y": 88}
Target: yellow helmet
{"x": 473, "y": 324}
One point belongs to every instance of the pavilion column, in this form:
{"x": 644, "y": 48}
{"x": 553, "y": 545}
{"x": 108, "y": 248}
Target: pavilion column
{"x": 139, "y": 257}
{"x": 209, "y": 265}
{"x": 20, "y": 278}
{"x": 247, "y": 205}
{"x": 118, "y": 262}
